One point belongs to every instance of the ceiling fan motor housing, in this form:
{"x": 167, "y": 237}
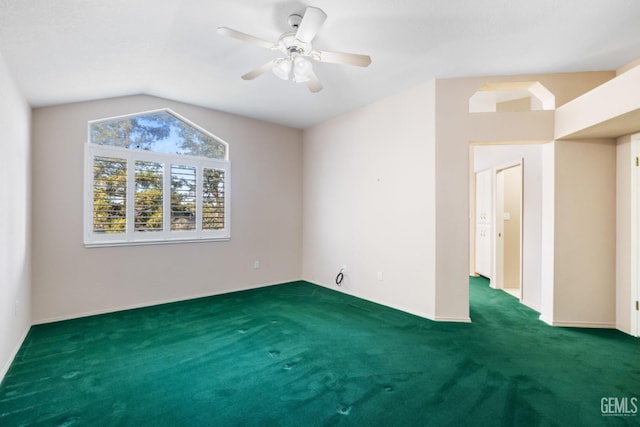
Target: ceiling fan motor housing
{"x": 294, "y": 21}
{"x": 289, "y": 44}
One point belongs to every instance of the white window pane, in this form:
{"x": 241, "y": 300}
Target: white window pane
{"x": 148, "y": 200}
{"x": 213, "y": 188}
{"x": 109, "y": 195}
{"x": 183, "y": 198}
{"x": 160, "y": 132}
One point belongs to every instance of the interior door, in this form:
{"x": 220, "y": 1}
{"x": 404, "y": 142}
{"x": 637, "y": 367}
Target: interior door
{"x": 507, "y": 257}
{"x": 511, "y": 226}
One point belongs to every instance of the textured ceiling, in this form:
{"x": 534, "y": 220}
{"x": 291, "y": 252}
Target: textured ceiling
{"x": 74, "y": 50}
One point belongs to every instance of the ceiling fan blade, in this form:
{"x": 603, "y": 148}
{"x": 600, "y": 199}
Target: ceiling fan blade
{"x": 259, "y": 71}
{"x": 234, "y": 34}
{"x": 314, "y": 84}
{"x": 311, "y": 22}
{"x": 342, "y": 58}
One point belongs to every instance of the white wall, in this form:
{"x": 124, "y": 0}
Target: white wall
{"x": 496, "y": 156}
{"x": 368, "y": 201}
{"x": 70, "y": 280}
{"x": 15, "y": 213}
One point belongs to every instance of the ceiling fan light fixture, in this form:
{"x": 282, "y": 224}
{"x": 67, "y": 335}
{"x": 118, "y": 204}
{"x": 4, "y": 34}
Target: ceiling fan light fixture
{"x": 282, "y": 69}
{"x": 302, "y": 69}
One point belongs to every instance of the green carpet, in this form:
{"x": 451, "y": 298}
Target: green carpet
{"x": 302, "y": 355}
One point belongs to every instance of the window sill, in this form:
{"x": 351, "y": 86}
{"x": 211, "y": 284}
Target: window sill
{"x": 152, "y": 242}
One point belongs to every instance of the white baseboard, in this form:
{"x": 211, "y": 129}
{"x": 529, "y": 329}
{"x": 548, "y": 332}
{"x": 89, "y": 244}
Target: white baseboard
{"x": 600, "y": 325}
{"x": 7, "y": 365}
{"x": 578, "y": 324}
{"x": 546, "y": 320}
{"x": 13, "y": 354}
{"x": 625, "y": 329}
{"x": 148, "y": 304}
{"x": 452, "y": 319}
{"x": 399, "y": 307}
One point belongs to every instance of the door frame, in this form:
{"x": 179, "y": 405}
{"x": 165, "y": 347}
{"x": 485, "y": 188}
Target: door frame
{"x": 635, "y": 236}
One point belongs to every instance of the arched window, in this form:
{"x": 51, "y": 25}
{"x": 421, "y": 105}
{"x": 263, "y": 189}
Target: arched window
{"x": 155, "y": 177}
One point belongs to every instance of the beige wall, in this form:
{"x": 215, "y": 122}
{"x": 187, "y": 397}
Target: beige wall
{"x": 15, "y": 213}
{"x": 368, "y": 202}
{"x": 515, "y": 105}
{"x": 266, "y": 223}
{"x": 613, "y": 99}
{"x": 585, "y": 229}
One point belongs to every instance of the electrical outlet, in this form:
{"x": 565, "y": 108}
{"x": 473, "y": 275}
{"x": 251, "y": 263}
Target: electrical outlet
{"x": 379, "y": 276}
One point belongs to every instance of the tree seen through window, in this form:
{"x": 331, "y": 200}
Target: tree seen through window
{"x": 160, "y": 132}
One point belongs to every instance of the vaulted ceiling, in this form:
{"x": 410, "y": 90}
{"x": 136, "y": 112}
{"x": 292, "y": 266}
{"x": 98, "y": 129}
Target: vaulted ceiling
{"x": 74, "y": 50}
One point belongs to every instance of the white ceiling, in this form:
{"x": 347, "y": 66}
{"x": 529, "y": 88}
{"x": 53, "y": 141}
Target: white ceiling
{"x": 74, "y": 50}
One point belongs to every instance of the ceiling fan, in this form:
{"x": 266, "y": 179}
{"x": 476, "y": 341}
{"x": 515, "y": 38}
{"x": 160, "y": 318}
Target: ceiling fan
{"x": 296, "y": 46}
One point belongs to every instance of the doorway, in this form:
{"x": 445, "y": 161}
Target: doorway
{"x": 497, "y": 215}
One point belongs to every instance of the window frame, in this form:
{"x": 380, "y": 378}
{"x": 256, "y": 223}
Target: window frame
{"x": 166, "y": 236}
